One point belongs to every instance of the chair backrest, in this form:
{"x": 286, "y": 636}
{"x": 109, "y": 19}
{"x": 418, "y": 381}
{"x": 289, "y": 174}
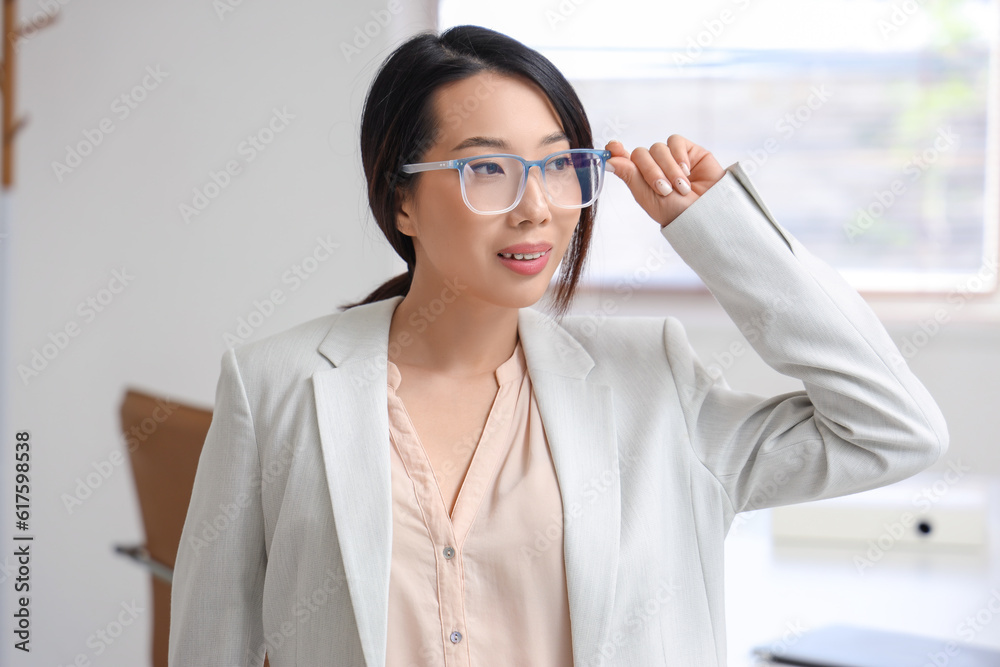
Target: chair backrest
{"x": 164, "y": 440}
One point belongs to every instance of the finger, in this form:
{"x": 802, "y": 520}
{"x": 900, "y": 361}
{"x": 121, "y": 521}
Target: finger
{"x": 626, "y": 170}
{"x": 669, "y": 170}
{"x": 659, "y": 170}
{"x": 680, "y": 148}
{"x": 667, "y": 156}
{"x": 617, "y": 148}
{"x": 619, "y": 161}
{"x": 662, "y": 208}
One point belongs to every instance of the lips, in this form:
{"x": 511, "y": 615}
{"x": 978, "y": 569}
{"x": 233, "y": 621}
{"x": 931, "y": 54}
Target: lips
{"x": 525, "y": 248}
{"x": 527, "y": 267}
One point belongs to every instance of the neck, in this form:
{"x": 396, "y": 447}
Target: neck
{"x": 444, "y": 330}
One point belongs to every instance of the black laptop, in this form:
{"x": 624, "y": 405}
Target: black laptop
{"x": 847, "y": 646}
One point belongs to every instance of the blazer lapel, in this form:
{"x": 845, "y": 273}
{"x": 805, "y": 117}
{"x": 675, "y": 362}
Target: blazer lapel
{"x": 353, "y": 416}
{"x": 578, "y": 417}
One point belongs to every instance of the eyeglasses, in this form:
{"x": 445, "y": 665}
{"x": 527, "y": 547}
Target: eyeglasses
{"x": 495, "y": 183}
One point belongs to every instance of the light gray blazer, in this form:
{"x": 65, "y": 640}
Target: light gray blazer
{"x": 288, "y": 535}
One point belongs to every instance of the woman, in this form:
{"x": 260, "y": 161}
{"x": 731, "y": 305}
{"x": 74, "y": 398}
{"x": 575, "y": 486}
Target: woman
{"x": 442, "y": 475}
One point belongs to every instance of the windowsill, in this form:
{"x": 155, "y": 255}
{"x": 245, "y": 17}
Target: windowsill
{"x": 699, "y": 307}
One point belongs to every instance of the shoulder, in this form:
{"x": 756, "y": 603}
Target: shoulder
{"x": 291, "y": 351}
{"x": 622, "y": 345}
{"x": 604, "y": 332}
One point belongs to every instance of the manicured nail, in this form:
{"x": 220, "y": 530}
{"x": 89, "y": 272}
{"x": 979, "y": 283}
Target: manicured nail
{"x": 663, "y": 187}
{"x": 608, "y": 167}
{"x": 682, "y": 186}
{"x": 685, "y": 168}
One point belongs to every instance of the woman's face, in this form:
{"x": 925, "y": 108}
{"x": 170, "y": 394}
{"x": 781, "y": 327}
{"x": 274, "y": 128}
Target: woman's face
{"x": 486, "y": 113}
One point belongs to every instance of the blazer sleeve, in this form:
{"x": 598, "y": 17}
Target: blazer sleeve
{"x": 217, "y": 589}
{"x": 863, "y": 420}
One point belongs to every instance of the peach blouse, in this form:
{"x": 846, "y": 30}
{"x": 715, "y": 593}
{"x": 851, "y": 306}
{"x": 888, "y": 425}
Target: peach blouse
{"x": 486, "y": 585}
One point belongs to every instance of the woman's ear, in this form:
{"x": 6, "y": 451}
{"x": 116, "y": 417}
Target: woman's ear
{"x": 404, "y": 223}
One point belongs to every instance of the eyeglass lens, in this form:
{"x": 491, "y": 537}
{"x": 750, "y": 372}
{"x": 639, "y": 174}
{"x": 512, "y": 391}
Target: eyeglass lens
{"x": 571, "y": 180}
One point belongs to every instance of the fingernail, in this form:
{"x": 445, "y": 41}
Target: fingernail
{"x": 663, "y": 187}
{"x": 608, "y": 167}
{"x": 682, "y": 186}
{"x": 685, "y": 168}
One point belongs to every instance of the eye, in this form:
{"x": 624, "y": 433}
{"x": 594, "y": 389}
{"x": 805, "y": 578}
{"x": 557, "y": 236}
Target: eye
{"x": 562, "y": 163}
{"x": 486, "y": 168}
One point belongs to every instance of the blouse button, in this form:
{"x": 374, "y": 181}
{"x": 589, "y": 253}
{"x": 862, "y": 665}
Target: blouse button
{"x": 449, "y": 552}
{"x": 456, "y": 637}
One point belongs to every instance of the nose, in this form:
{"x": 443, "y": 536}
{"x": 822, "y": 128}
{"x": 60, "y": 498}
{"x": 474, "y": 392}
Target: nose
{"x": 534, "y": 203}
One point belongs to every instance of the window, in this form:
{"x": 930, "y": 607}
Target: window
{"x": 869, "y": 126}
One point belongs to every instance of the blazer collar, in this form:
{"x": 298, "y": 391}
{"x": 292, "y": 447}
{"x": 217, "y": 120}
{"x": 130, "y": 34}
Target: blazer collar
{"x": 578, "y": 418}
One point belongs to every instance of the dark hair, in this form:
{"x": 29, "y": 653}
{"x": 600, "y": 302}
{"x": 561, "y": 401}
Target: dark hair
{"x": 398, "y": 125}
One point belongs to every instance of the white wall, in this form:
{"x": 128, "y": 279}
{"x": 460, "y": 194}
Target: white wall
{"x": 190, "y": 282}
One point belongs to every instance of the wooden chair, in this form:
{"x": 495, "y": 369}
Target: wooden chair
{"x": 164, "y": 441}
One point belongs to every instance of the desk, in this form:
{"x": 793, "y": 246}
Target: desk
{"x": 773, "y": 593}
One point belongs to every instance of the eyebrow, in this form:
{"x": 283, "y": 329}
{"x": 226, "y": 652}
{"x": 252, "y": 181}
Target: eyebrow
{"x": 496, "y": 142}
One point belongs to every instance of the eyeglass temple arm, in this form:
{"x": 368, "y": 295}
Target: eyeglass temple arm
{"x": 427, "y": 166}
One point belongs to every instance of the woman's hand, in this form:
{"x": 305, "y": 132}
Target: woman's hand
{"x": 686, "y": 169}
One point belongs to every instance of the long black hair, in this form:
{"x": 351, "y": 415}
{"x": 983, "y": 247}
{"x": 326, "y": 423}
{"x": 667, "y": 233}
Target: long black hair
{"x": 398, "y": 125}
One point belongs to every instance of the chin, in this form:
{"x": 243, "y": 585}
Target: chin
{"x": 519, "y": 298}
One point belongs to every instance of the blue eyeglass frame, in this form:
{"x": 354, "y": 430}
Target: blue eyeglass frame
{"x": 460, "y": 163}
